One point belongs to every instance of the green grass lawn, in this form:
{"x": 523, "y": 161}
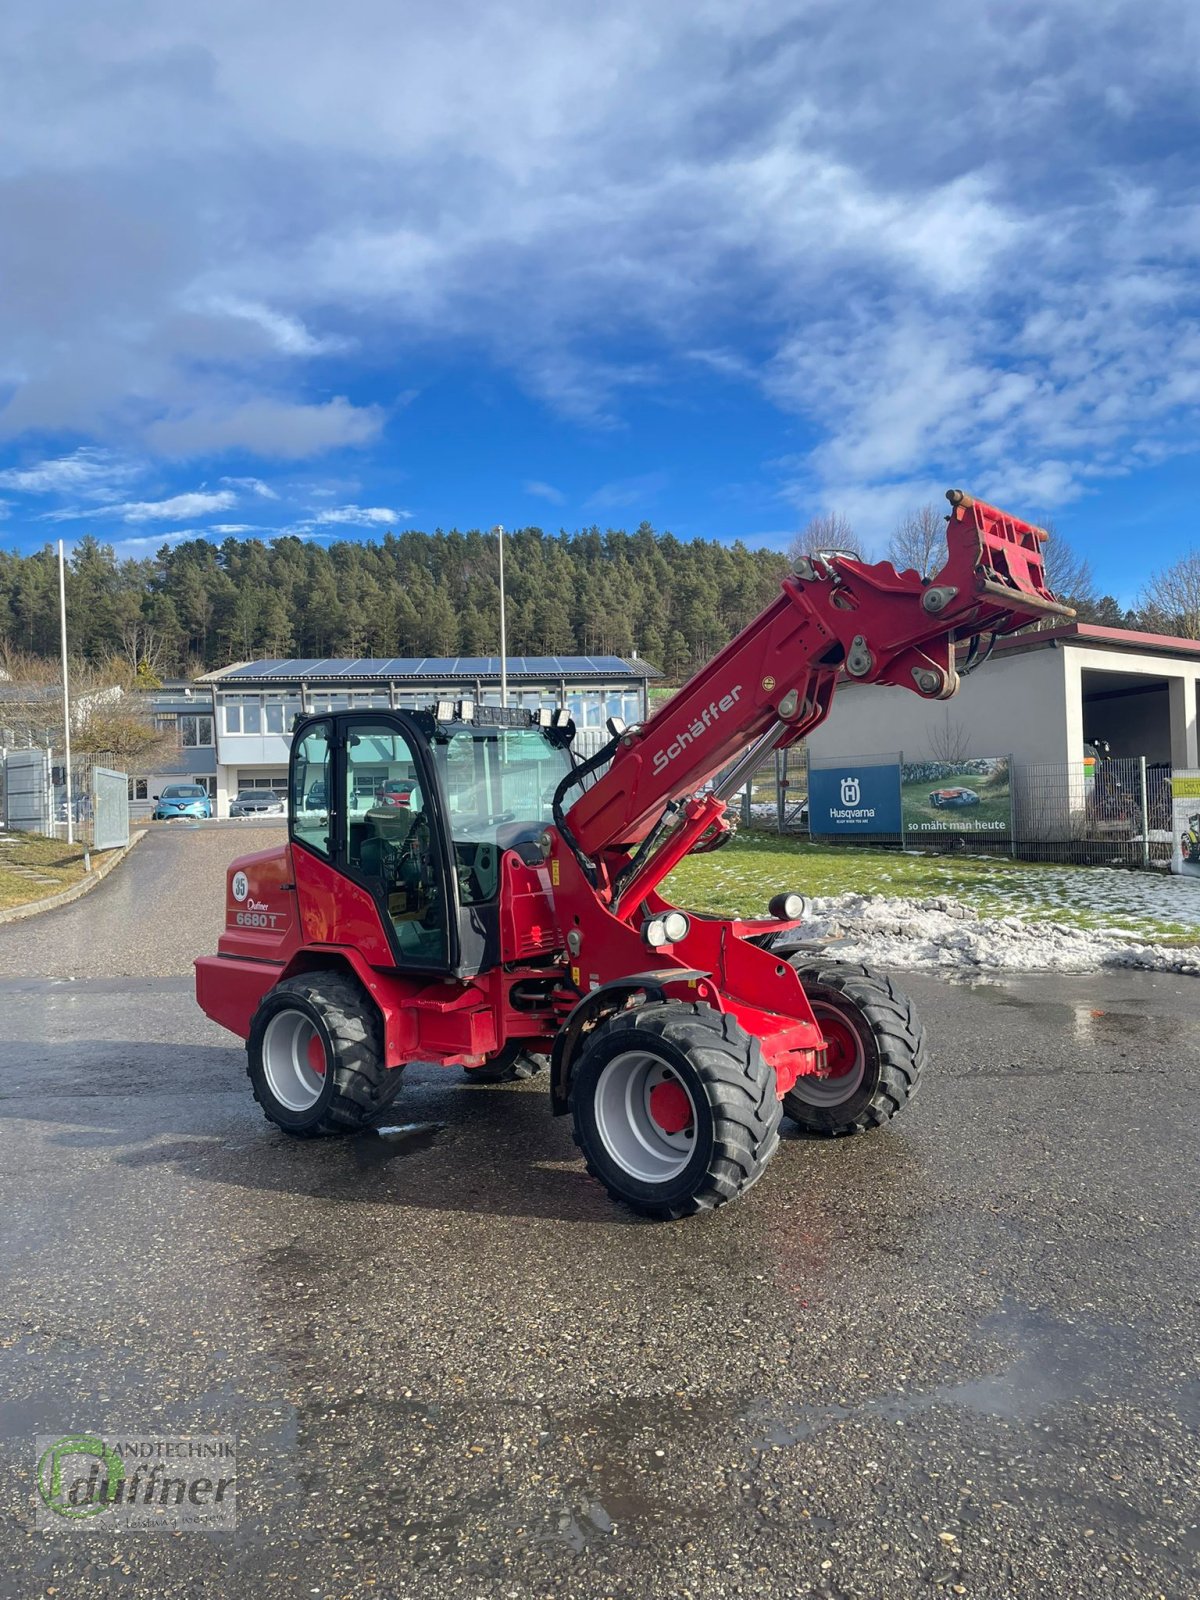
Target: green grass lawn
{"x": 739, "y": 881}
{"x": 59, "y": 864}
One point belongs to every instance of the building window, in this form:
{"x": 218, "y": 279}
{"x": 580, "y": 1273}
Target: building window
{"x": 273, "y": 716}
{"x": 243, "y": 714}
{"x": 208, "y": 783}
{"x": 139, "y": 788}
{"x": 277, "y": 781}
{"x": 195, "y": 730}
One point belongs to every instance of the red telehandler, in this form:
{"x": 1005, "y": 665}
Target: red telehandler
{"x": 512, "y": 906}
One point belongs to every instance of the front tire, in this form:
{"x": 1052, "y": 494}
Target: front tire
{"x": 876, "y": 1050}
{"x": 315, "y": 1056}
{"x": 675, "y": 1108}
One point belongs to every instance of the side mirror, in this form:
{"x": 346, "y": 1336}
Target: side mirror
{"x": 156, "y": 797}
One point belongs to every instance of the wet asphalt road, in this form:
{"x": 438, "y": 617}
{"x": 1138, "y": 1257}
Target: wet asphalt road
{"x": 956, "y": 1357}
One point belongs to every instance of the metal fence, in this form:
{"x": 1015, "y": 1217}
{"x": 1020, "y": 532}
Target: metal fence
{"x": 33, "y": 798}
{"x": 28, "y": 791}
{"x": 1112, "y": 812}
{"x": 1116, "y": 811}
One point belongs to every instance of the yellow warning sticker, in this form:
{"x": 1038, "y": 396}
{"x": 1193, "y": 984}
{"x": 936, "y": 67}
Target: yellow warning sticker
{"x": 575, "y": 976}
{"x": 554, "y": 872}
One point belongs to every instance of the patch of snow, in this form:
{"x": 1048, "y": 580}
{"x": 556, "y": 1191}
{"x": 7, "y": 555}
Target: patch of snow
{"x": 884, "y": 931}
{"x": 1117, "y": 895}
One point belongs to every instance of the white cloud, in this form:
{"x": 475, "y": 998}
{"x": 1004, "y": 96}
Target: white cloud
{"x": 625, "y": 492}
{"x": 154, "y": 541}
{"x": 284, "y": 333}
{"x": 202, "y": 207}
{"x": 253, "y": 486}
{"x": 545, "y": 491}
{"x": 89, "y": 471}
{"x": 266, "y": 427}
{"x": 363, "y": 516}
{"x": 5, "y": 509}
{"x": 178, "y": 508}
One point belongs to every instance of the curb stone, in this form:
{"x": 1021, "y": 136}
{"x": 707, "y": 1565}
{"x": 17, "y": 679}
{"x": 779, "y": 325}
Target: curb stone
{"x": 77, "y": 890}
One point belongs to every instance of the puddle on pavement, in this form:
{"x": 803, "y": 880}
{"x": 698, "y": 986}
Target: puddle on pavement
{"x": 1055, "y": 1363}
{"x": 1089, "y": 1023}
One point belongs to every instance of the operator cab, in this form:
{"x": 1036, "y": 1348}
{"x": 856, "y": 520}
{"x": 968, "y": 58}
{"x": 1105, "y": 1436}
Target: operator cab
{"x": 418, "y": 811}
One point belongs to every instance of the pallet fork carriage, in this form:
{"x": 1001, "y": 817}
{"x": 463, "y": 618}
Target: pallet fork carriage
{"x": 512, "y": 910}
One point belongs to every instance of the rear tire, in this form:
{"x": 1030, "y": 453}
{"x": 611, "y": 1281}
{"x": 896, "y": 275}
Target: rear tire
{"x": 876, "y": 1050}
{"x": 514, "y": 1064}
{"x": 315, "y": 1056}
{"x": 675, "y": 1108}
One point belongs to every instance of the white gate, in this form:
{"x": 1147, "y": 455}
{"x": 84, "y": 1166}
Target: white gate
{"x": 110, "y": 809}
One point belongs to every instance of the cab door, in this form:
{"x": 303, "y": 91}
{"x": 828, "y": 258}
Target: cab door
{"x": 366, "y": 817}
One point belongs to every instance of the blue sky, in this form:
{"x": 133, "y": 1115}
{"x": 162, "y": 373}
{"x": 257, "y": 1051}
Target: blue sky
{"x": 721, "y": 265}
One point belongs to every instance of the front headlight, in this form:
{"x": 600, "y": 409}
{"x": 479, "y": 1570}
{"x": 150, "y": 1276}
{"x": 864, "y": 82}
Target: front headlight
{"x": 667, "y": 929}
{"x": 787, "y": 907}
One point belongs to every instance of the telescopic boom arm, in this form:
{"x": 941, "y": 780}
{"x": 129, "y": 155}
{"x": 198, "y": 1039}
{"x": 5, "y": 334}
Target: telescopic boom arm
{"x": 775, "y": 681}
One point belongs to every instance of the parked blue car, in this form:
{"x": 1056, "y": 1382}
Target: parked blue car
{"x": 181, "y": 800}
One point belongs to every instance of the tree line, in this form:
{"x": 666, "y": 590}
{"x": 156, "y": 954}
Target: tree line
{"x": 197, "y": 605}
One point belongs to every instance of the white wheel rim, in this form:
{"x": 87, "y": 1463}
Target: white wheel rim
{"x": 628, "y": 1130}
{"x": 834, "y": 1091}
{"x": 287, "y": 1052}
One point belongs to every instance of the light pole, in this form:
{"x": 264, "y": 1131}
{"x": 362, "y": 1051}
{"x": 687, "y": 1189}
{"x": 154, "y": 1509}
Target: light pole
{"x": 503, "y": 624}
{"x": 62, "y": 611}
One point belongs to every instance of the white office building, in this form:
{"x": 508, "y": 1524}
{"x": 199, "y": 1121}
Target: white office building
{"x": 256, "y": 703}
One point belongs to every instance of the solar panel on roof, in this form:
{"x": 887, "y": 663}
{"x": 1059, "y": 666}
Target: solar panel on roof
{"x": 441, "y": 668}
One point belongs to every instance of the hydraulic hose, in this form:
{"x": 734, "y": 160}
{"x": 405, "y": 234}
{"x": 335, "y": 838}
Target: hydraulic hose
{"x": 572, "y": 781}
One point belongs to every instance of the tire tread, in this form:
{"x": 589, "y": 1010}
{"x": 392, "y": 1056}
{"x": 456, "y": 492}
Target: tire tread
{"x": 742, "y": 1095}
{"x": 363, "y": 1085}
{"x": 899, "y": 1037}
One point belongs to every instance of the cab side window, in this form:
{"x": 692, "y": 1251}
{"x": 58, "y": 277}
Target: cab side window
{"x": 312, "y": 775}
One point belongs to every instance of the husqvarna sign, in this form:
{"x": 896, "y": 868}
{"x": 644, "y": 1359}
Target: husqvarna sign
{"x": 854, "y": 799}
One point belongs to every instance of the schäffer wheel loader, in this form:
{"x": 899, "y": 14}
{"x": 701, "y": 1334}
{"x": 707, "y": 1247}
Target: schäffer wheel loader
{"x": 513, "y": 907}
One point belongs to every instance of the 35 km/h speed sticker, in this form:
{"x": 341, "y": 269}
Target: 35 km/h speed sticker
{"x": 240, "y": 886}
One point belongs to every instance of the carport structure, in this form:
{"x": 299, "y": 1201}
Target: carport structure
{"x": 1042, "y": 698}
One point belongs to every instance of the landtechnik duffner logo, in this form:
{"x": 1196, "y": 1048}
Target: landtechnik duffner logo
{"x": 143, "y": 1482}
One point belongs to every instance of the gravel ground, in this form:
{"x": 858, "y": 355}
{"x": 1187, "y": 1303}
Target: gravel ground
{"x": 151, "y": 918}
{"x": 956, "y": 1357}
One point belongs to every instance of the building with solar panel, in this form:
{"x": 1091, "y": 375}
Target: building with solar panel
{"x": 254, "y": 705}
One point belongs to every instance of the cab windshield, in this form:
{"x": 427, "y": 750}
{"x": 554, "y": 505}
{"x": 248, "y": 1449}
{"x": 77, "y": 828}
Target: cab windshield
{"x": 499, "y": 782}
